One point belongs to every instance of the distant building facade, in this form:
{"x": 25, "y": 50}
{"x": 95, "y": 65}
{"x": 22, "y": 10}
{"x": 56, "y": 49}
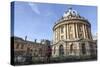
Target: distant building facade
{"x": 72, "y": 36}
{"x": 27, "y": 51}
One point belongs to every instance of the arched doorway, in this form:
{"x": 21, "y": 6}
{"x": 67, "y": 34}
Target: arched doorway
{"x": 71, "y": 48}
{"x": 83, "y": 49}
{"x": 61, "y": 50}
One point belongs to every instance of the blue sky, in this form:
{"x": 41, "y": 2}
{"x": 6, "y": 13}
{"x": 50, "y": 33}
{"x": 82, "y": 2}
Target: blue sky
{"x": 36, "y": 20}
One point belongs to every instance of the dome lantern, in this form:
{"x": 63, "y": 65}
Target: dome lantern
{"x": 70, "y": 12}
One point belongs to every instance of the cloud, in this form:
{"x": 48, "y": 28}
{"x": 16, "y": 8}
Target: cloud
{"x": 34, "y": 8}
{"x": 45, "y": 12}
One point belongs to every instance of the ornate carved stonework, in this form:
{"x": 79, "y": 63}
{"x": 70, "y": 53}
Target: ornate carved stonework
{"x": 72, "y": 36}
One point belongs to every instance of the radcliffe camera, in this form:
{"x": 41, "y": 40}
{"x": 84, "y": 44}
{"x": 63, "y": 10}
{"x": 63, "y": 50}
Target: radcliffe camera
{"x": 43, "y": 33}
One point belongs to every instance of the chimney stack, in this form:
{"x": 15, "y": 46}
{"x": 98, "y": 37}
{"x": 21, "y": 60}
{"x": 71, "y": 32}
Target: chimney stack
{"x": 35, "y": 40}
{"x": 25, "y": 38}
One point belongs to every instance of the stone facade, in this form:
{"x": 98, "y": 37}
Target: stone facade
{"x": 72, "y": 36}
{"x": 27, "y": 51}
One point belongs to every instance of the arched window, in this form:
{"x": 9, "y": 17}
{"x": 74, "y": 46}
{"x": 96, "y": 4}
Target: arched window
{"x": 62, "y": 29}
{"x": 17, "y": 46}
{"x": 80, "y": 28}
{"x": 62, "y": 37}
{"x": 83, "y": 49}
{"x": 70, "y": 28}
{"x": 22, "y": 46}
{"x": 61, "y": 50}
{"x": 71, "y": 48}
{"x": 80, "y": 35}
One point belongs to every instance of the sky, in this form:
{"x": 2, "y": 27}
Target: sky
{"x": 36, "y": 20}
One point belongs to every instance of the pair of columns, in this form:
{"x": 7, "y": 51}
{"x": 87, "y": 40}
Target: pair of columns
{"x": 86, "y": 32}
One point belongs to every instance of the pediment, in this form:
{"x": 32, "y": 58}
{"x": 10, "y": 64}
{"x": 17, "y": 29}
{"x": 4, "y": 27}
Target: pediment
{"x": 61, "y": 42}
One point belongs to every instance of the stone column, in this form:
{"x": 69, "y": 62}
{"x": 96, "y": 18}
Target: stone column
{"x": 89, "y": 36}
{"x": 77, "y": 49}
{"x": 84, "y": 31}
{"x": 59, "y": 33}
{"x": 67, "y": 32}
{"x": 76, "y": 30}
{"x": 87, "y": 32}
{"x": 87, "y": 48}
{"x": 64, "y": 31}
{"x": 57, "y": 50}
{"x": 90, "y": 33}
{"x": 64, "y": 46}
{"x": 54, "y": 36}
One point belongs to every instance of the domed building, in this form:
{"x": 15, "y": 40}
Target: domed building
{"x": 72, "y": 36}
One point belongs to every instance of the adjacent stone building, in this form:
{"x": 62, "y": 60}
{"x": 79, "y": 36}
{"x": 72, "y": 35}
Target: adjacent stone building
{"x": 72, "y": 36}
{"x": 29, "y": 51}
